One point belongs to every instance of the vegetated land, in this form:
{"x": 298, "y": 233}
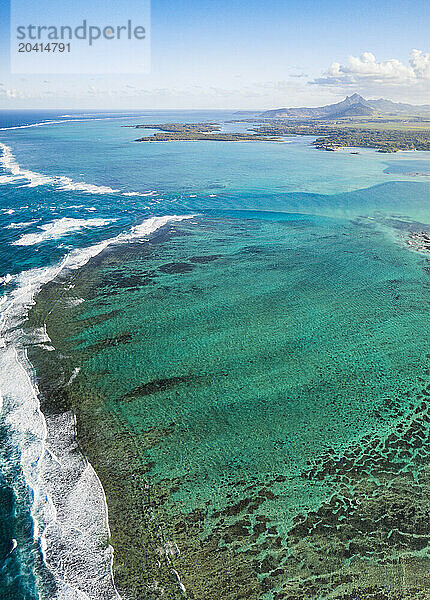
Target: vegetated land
{"x": 168, "y": 132}
{"x": 334, "y": 136}
{"x": 385, "y": 134}
{"x": 388, "y": 133}
{"x": 383, "y": 141}
{"x": 180, "y": 127}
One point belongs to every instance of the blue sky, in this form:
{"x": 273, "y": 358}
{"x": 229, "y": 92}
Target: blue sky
{"x": 251, "y": 55}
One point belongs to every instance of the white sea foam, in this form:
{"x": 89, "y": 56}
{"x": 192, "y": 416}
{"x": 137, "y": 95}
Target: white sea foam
{"x": 9, "y": 163}
{"x": 73, "y": 376}
{"x": 41, "y": 124}
{"x": 75, "y": 301}
{"x": 17, "y": 174}
{"x": 67, "y": 184}
{"x": 20, "y": 225}
{"x": 59, "y": 228}
{"x": 28, "y": 178}
{"x": 150, "y": 193}
{"x": 59, "y": 122}
{"x": 39, "y": 335}
{"x": 6, "y": 279}
{"x": 69, "y": 505}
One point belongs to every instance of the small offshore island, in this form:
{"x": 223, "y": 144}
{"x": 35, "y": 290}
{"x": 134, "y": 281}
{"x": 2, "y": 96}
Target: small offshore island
{"x": 353, "y": 123}
{"x": 170, "y": 132}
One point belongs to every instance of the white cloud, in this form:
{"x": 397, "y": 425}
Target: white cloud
{"x": 420, "y": 63}
{"x": 366, "y": 70}
{"x": 11, "y": 92}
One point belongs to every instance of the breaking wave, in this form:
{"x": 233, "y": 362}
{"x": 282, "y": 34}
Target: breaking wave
{"x": 69, "y": 507}
{"x": 59, "y": 228}
{"x": 28, "y": 178}
{"x": 20, "y": 225}
{"x": 60, "y": 121}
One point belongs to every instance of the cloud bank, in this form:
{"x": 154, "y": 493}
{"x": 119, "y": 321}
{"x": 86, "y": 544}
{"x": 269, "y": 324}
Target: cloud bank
{"x": 367, "y": 71}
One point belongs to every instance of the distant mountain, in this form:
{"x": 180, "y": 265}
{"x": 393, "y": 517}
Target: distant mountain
{"x": 246, "y": 112}
{"x": 387, "y": 106}
{"x": 352, "y": 106}
{"x": 358, "y": 110}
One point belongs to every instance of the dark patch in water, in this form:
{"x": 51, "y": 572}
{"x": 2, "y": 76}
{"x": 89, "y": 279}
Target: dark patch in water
{"x": 157, "y": 385}
{"x": 204, "y": 259}
{"x": 122, "y": 338}
{"x": 127, "y": 281}
{"x": 176, "y": 267}
{"x": 296, "y": 223}
{"x": 155, "y": 435}
{"x": 254, "y": 250}
{"x": 216, "y": 186}
{"x": 98, "y": 319}
{"x": 379, "y": 513}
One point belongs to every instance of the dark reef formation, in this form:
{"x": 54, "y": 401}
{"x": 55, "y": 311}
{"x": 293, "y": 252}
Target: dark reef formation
{"x": 369, "y": 540}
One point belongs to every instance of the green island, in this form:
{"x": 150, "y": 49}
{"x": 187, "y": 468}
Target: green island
{"x": 168, "y": 132}
{"x": 383, "y": 134}
{"x": 353, "y": 123}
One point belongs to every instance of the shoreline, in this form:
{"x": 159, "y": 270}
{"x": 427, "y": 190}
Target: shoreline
{"x": 52, "y": 366}
{"x": 52, "y": 469}
{"x": 60, "y": 469}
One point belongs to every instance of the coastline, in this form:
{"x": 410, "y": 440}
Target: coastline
{"x": 53, "y": 468}
{"x": 134, "y": 527}
{"x": 68, "y": 499}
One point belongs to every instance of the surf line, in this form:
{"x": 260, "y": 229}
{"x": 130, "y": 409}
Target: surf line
{"x": 67, "y": 494}
{"x": 17, "y": 174}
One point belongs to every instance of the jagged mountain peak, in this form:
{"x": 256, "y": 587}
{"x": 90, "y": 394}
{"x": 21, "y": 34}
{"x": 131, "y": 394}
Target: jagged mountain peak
{"x": 354, "y": 105}
{"x": 354, "y": 98}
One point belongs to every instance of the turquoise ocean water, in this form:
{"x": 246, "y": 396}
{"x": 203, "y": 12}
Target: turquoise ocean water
{"x": 307, "y": 315}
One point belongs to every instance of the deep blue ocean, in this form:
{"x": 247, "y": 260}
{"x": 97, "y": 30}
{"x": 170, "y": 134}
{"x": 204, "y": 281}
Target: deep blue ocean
{"x": 72, "y": 179}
